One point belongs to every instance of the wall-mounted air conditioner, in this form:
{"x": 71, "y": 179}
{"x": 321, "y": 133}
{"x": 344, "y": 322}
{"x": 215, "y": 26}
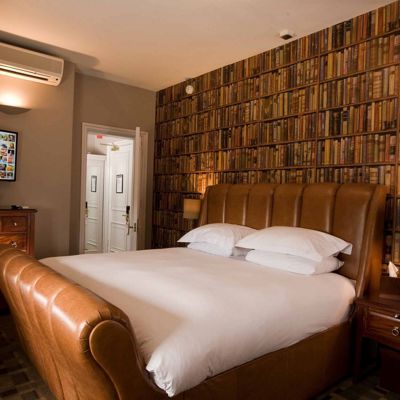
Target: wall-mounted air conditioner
{"x": 30, "y": 65}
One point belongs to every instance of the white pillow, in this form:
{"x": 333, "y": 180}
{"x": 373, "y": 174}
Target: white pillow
{"x": 222, "y": 235}
{"x": 217, "y": 250}
{"x": 302, "y": 242}
{"x": 288, "y": 262}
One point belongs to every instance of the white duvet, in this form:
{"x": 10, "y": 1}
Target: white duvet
{"x": 196, "y": 315}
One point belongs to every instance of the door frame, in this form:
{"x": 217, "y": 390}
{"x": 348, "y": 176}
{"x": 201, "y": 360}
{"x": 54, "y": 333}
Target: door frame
{"x": 88, "y": 128}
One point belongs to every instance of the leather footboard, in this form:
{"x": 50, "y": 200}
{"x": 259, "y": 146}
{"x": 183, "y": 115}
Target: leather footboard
{"x": 84, "y": 348}
{"x": 81, "y": 345}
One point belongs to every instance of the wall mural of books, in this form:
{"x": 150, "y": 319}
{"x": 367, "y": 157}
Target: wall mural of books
{"x": 323, "y": 108}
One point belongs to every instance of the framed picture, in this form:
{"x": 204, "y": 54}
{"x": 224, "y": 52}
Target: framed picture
{"x": 8, "y": 155}
{"x": 93, "y": 183}
{"x": 120, "y": 183}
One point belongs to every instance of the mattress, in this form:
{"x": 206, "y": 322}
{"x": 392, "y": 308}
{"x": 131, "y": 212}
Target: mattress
{"x": 196, "y": 315}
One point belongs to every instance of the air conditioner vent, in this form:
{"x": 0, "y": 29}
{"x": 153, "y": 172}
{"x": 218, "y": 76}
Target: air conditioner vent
{"x": 26, "y": 64}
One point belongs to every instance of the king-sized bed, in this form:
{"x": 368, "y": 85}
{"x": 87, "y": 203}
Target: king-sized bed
{"x": 190, "y": 325}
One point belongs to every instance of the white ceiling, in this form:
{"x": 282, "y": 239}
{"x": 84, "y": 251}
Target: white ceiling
{"x": 155, "y": 43}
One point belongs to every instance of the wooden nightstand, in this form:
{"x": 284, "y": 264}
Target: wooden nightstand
{"x": 379, "y": 319}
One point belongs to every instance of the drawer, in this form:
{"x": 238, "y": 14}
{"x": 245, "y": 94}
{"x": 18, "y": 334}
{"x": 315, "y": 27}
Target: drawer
{"x": 14, "y": 224}
{"x": 17, "y": 241}
{"x": 381, "y": 326}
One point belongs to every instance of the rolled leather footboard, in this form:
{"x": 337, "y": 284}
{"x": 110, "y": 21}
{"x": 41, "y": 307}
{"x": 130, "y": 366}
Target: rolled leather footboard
{"x": 81, "y": 345}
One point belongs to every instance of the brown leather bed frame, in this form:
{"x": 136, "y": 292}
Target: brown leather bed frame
{"x": 84, "y": 347}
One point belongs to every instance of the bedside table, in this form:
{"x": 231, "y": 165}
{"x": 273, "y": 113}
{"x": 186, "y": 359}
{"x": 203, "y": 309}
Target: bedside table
{"x": 378, "y": 319}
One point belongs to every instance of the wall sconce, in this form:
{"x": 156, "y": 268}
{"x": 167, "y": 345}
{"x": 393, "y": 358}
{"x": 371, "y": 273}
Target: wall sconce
{"x": 191, "y": 208}
{"x": 12, "y": 110}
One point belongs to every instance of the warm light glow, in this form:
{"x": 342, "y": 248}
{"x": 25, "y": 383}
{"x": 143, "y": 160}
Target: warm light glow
{"x": 191, "y": 208}
{"x": 11, "y": 99}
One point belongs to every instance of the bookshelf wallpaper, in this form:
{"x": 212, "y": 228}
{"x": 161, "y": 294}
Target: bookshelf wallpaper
{"x": 323, "y": 108}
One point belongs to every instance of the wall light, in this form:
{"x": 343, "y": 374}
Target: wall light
{"x": 11, "y": 103}
{"x": 191, "y": 208}
{"x": 12, "y": 110}
{"x": 11, "y": 99}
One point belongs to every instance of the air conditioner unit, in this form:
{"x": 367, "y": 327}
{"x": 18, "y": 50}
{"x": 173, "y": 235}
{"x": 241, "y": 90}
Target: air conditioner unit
{"x": 30, "y": 65}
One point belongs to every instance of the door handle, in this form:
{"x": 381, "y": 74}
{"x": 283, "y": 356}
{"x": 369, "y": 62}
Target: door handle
{"x": 134, "y": 227}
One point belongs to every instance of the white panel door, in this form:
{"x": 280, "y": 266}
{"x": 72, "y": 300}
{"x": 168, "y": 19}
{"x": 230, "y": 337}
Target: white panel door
{"x": 120, "y": 184}
{"x": 94, "y": 204}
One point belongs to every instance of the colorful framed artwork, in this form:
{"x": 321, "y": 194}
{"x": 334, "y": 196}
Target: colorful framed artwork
{"x": 8, "y": 155}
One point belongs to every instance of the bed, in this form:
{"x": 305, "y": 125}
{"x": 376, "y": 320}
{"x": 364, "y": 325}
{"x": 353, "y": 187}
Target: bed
{"x": 85, "y": 348}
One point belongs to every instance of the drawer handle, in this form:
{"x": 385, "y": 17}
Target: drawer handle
{"x": 15, "y": 224}
{"x": 397, "y": 316}
{"x": 14, "y": 244}
{"x": 396, "y": 331}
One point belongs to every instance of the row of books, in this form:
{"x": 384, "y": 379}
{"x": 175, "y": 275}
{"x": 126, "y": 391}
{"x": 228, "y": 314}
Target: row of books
{"x": 293, "y": 154}
{"x": 197, "y": 182}
{"x": 370, "y": 117}
{"x": 378, "y": 115}
{"x": 300, "y": 74}
{"x": 382, "y": 174}
{"x": 357, "y": 149}
{"x": 249, "y": 89}
{"x": 297, "y": 101}
{"x": 209, "y": 120}
{"x": 188, "y": 183}
{"x": 293, "y": 128}
{"x": 371, "y": 85}
{"x": 241, "y": 91}
{"x": 377, "y": 148}
{"x": 360, "y": 88}
{"x": 288, "y": 103}
{"x": 167, "y": 218}
{"x": 244, "y": 135}
{"x": 374, "y": 23}
{"x": 164, "y": 237}
{"x": 178, "y": 109}
{"x": 205, "y": 154}
{"x": 172, "y": 203}
{"x": 364, "y": 27}
{"x": 361, "y": 57}
{"x": 168, "y": 201}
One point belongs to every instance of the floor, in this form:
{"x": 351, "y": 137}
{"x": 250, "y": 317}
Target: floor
{"x": 19, "y": 380}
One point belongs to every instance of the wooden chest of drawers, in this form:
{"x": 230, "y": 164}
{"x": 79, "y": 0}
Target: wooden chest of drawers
{"x": 17, "y": 228}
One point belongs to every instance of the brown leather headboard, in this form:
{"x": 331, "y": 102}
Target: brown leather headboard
{"x": 353, "y": 212}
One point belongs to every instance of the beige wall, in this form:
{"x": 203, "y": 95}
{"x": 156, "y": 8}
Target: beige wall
{"x": 103, "y": 102}
{"x": 44, "y": 157}
{"x": 49, "y": 157}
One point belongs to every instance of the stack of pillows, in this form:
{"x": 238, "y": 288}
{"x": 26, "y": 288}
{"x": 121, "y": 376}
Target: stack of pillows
{"x": 299, "y": 250}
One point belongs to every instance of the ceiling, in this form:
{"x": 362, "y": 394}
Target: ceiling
{"x": 155, "y": 43}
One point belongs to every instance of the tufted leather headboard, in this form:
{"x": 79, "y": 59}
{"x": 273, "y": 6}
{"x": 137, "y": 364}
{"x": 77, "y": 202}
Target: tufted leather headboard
{"x": 353, "y": 212}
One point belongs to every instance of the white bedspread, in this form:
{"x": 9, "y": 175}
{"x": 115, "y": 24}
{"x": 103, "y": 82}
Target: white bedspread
{"x": 196, "y": 315}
